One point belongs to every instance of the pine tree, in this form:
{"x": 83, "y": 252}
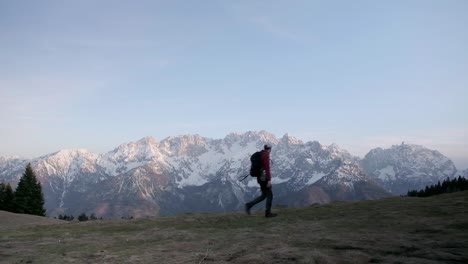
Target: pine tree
{"x": 29, "y": 198}
{"x": 83, "y": 217}
{"x": 2, "y": 196}
{"x": 463, "y": 183}
{"x": 8, "y": 199}
{"x": 92, "y": 217}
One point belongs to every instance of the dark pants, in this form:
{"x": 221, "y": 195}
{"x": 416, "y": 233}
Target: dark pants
{"x": 266, "y": 193}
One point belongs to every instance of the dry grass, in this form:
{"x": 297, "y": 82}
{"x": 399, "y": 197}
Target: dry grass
{"x": 395, "y": 230}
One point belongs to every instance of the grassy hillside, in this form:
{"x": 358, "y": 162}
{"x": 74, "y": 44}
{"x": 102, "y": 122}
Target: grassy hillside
{"x": 394, "y": 230}
{"x": 10, "y": 221}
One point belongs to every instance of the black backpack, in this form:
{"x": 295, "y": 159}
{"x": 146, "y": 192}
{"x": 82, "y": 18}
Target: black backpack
{"x": 256, "y": 164}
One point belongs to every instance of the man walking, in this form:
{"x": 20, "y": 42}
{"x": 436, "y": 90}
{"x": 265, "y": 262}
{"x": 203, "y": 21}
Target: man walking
{"x": 264, "y": 180}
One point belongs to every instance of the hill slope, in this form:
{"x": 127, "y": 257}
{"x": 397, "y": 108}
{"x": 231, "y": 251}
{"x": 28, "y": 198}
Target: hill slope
{"x": 393, "y": 230}
{"x": 11, "y": 220}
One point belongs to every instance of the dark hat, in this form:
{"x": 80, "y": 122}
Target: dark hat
{"x": 267, "y": 146}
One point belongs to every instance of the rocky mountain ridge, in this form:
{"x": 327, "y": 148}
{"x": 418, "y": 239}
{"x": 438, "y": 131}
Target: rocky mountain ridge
{"x": 192, "y": 173}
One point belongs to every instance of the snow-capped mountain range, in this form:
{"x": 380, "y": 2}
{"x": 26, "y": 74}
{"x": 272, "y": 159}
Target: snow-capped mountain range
{"x": 191, "y": 173}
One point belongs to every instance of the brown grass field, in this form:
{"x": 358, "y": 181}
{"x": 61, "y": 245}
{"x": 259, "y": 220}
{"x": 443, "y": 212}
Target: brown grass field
{"x": 393, "y": 230}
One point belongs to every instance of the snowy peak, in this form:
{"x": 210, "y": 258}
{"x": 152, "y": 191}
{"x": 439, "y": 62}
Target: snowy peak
{"x": 10, "y": 161}
{"x": 191, "y": 145}
{"x": 345, "y": 173}
{"x": 407, "y": 166}
{"x": 6, "y": 159}
{"x": 11, "y": 168}
{"x": 70, "y": 154}
{"x": 67, "y": 163}
{"x": 411, "y": 156}
{"x": 262, "y": 137}
{"x": 336, "y": 152}
{"x": 67, "y": 158}
{"x": 131, "y": 155}
{"x": 326, "y": 153}
{"x": 419, "y": 154}
{"x": 290, "y": 140}
{"x": 306, "y": 164}
{"x": 143, "y": 149}
{"x": 148, "y": 140}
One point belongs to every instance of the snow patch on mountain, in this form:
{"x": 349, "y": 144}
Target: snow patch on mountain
{"x": 129, "y": 156}
{"x": 387, "y": 173}
{"x": 199, "y": 170}
{"x": 315, "y": 177}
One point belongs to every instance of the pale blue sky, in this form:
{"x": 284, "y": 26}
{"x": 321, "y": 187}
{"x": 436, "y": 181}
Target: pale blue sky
{"x": 361, "y": 74}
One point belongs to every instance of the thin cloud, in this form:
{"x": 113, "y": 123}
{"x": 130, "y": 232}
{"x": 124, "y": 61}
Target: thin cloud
{"x": 272, "y": 27}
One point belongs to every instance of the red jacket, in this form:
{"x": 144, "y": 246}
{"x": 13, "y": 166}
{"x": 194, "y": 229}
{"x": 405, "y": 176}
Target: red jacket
{"x": 266, "y": 163}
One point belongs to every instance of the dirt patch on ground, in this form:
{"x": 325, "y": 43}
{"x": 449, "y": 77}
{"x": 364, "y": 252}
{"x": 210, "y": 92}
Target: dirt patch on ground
{"x": 395, "y": 230}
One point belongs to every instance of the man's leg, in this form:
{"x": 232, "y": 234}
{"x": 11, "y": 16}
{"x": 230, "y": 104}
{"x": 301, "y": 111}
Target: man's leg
{"x": 269, "y": 197}
{"x": 258, "y": 199}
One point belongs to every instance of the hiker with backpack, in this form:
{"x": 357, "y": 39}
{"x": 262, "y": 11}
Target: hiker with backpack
{"x": 261, "y": 169}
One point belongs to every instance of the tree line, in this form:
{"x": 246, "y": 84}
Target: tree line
{"x": 82, "y": 217}
{"x": 27, "y": 198}
{"x": 447, "y": 186}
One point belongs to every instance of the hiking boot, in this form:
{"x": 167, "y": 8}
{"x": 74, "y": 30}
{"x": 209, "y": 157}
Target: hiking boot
{"x": 247, "y": 209}
{"x": 270, "y": 215}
